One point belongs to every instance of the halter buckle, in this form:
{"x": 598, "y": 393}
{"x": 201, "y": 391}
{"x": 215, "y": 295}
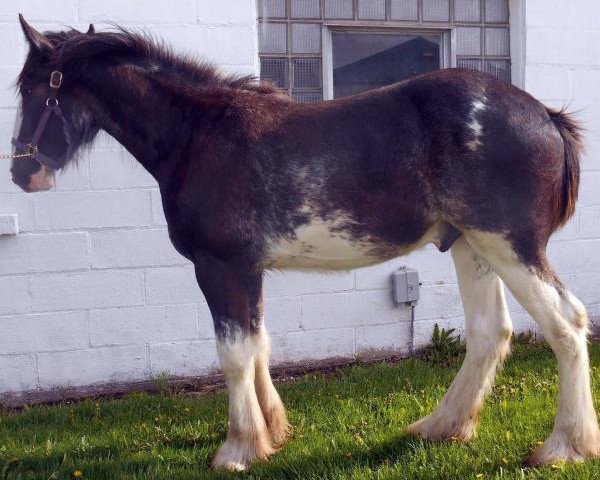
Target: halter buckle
{"x": 31, "y": 149}
{"x": 55, "y": 79}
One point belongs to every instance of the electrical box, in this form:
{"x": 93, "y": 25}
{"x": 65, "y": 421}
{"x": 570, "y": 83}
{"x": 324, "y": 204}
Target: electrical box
{"x": 405, "y": 282}
{"x": 9, "y": 224}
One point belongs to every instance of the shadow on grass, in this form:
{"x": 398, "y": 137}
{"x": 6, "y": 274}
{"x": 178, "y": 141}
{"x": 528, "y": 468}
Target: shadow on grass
{"x": 384, "y": 460}
{"x": 115, "y": 463}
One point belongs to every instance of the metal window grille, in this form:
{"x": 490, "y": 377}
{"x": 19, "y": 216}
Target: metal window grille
{"x": 290, "y": 34}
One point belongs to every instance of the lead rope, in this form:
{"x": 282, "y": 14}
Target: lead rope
{"x": 15, "y": 155}
{"x": 18, "y": 155}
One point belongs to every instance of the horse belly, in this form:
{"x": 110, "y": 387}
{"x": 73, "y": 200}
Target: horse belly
{"x": 324, "y": 246}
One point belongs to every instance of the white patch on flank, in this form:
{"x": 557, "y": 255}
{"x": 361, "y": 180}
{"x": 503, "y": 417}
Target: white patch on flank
{"x": 474, "y": 125}
{"x": 321, "y": 245}
{"x": 476, "y": 128}
{"x": 478, "y": 105}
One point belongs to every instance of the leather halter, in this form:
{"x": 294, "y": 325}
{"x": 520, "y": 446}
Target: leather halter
{"x": 52, "y": 107}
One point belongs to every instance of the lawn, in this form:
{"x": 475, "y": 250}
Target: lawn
{"x": 348, "y": 425}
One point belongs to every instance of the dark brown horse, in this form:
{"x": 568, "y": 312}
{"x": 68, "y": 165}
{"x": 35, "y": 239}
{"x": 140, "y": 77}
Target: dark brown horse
{"x": 252, "y": 181}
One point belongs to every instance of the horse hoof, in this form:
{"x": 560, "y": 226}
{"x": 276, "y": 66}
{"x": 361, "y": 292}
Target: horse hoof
{"x": 237, "y": 455}
{"x": 561, "y": 447}
{"x": 439, "y": 429}
{"x": 230, "y": 466}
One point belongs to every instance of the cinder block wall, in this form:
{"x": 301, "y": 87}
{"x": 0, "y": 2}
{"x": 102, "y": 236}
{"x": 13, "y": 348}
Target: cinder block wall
{"x": 563, "y": 69}
{"x": 92, "y": 291}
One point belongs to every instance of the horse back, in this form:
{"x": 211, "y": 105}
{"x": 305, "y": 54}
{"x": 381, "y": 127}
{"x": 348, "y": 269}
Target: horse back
{"x": 362, "y": 179}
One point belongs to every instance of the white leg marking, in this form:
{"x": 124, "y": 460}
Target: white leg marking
{"x": 248, "y": 437}
{"x": 268, "y": 398}
{"x": 488, "y": 330}
{"x": 563, "y": 321}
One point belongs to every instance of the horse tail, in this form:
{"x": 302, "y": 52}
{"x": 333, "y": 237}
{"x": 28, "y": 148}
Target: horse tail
{"x": 568, "y": 188}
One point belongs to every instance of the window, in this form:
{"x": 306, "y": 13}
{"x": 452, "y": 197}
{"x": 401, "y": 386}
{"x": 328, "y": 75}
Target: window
{"x": 317, "y": 49}
{"x": 363, "y": 61}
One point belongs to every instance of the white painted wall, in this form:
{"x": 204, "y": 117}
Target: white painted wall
{"x": 563, "y": 68}
{"x": 91, "y": 291}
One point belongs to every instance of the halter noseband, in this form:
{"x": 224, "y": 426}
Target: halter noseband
{"x": 31, "y": 148}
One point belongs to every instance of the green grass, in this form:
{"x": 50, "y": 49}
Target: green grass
{"x": 347, "y": 426}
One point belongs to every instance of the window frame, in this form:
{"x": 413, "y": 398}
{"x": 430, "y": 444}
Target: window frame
{"x": 447, "y": 42}
{"x": 460, "y": 32}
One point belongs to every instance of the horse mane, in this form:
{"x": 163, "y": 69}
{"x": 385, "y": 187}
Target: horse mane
{"x": 74, "y": 49}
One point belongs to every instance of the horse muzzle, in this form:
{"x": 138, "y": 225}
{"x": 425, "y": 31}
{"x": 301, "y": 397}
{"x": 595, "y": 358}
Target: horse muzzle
{"x": 39, "y": 181}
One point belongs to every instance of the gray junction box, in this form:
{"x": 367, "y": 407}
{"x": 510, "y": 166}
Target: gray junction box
{"x": 405, "y": 285}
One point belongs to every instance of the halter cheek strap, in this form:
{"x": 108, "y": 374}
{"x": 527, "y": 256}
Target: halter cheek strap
{"x": 51, "y": 108}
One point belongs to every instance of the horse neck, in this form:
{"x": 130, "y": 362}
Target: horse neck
{"x": 149, "y": 118}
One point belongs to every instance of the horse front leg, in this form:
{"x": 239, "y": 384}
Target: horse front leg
{"x": 268, "y": 398}
{"x": 233, "y": 296}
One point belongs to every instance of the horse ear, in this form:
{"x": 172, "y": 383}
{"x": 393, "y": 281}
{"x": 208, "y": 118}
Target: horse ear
{"x": 91, "y": 29}
{"x": 37, "y": 40}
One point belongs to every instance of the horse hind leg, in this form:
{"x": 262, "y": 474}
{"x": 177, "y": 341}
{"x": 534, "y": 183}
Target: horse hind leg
{"x": 488, "y": 331}
{"x": 563, "y": 321}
